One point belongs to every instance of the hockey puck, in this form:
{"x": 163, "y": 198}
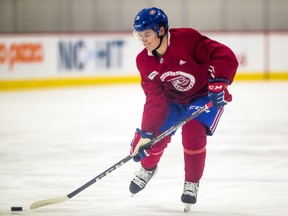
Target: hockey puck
{"x": 16, "y": 208}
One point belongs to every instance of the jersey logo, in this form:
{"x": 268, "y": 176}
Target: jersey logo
{"x": 152, "y": 75}
{"x": 180, "y": 80}
{"x": 181, "y": 62}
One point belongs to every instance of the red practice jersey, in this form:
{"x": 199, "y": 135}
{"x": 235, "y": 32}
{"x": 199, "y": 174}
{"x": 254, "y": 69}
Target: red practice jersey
{"x": 182, "y": 73}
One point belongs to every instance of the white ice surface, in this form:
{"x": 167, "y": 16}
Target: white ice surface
{"x": 53, "y": 141}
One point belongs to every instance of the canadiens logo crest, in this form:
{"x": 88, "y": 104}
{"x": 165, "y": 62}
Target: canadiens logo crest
{"x": 180, "y": 80}
{"x": 152, "y": 12}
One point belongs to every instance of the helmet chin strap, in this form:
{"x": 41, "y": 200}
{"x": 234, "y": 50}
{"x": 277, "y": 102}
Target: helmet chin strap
{"x": 154, "y": 52}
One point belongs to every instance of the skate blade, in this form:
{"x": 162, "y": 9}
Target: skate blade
{"x": 187, "y": 207}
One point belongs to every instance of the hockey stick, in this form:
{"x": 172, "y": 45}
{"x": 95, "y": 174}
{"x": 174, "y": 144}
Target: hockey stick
{"x": 61, "y": 199}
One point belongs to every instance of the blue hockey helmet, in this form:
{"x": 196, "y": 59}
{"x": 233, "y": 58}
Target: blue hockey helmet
{"x": 150, "y": 18}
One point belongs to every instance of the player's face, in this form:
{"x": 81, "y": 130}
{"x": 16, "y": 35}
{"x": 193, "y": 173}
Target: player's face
{"x": 149, "y": 39}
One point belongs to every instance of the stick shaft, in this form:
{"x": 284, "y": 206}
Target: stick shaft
{"x": 100, "y": 176}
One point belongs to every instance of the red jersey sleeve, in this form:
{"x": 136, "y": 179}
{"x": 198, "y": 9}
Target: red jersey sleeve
{"x": 221, "y": 57}
{"x": 156, "y": 106}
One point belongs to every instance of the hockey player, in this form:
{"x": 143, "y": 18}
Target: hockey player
{"x": 181, "y": 70}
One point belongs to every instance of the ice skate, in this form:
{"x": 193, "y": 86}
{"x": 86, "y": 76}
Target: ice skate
{"x": 189, "y": 195}
{"x": 141, "y": 180}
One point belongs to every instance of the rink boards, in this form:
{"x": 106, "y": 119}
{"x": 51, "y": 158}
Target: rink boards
{"x": 47, "y": 60}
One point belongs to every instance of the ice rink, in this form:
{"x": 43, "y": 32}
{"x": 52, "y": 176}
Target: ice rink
{"x": 52, "y": 141}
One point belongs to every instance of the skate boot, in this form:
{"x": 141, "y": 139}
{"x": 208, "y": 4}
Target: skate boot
{"x": 141, "y": 180}
{"x": 189, "y": 195}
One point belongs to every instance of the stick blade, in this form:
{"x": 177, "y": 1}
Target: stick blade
{"x": 46, "y": 202}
